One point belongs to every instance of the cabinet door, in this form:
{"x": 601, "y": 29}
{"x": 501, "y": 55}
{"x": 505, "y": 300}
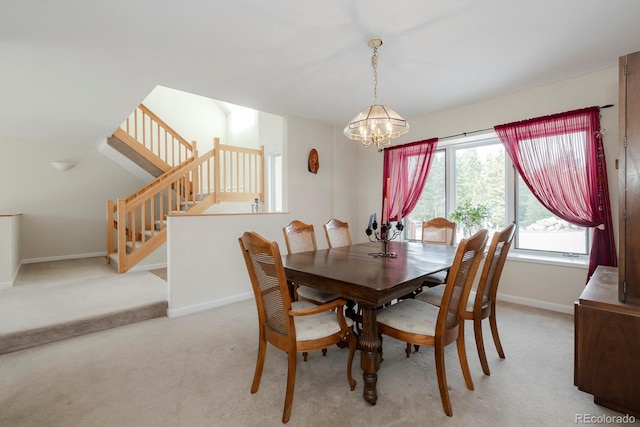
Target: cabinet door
{"x": 629, "y": 179}
{"x": 607, "y": 353}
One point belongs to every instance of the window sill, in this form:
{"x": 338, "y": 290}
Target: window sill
{"x": 579, "y": 262}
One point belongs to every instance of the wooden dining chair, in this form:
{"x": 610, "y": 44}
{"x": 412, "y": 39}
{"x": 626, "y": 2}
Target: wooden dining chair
{"x": 482, "y": 302}
{"x": 300, "y": 237}
{"x": 423, "y": 324}
{"x": 337, "y": 233}
{"x": 438, "y": 231}
{"x": 295, "y": 328}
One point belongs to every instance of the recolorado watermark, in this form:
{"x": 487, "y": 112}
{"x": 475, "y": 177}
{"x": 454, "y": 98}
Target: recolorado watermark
{"x": 604, "y": 419}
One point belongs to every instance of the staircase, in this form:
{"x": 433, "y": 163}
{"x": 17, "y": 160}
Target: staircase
{"x": 185, "y": 184}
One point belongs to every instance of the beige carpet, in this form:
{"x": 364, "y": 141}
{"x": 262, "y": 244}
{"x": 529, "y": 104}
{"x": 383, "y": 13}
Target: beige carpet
{"x": 62, "y": 299}
{"x": 196, "y": 370}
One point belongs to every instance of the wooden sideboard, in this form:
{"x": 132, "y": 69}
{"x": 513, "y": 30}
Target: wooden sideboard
{"x": 607, "y": 315}
{"x": 607, "y": 344}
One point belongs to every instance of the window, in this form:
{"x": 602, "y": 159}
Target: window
{"x": 432, "y": 202}
{"x": 274, "y": 182}
{"x": 540, "y": 230}
{"x": 478, "y": 169}
{"x": 479, "y": 176}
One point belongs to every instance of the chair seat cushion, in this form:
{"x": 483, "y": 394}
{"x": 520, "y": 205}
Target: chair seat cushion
{"x": 410, "y": 315}
{"x": 434, "y": 296}
{"x": 315, "y": 294}
{"x": 438, "y": 278}
{"x": 316, "y": 326}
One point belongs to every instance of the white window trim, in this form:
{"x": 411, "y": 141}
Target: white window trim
{"x": 581, "y": 261}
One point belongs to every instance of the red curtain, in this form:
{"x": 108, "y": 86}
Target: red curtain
{"x": 404, "y": 174}
{"x": 561, "y": 159}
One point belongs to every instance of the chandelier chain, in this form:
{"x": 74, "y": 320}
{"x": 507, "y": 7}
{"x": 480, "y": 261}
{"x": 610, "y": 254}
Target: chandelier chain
{"x": 374, "y": 64}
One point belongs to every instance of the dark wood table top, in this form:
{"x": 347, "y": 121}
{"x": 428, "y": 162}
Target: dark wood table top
{"x": 353, "y": 273}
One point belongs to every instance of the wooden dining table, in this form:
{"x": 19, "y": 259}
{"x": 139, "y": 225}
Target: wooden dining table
{"x": 359, "y": 274}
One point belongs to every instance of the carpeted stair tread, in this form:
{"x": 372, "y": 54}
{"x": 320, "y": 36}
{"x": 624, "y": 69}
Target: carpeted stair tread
{"x": 46, "y": 334}
{"x": 37, "y": 314}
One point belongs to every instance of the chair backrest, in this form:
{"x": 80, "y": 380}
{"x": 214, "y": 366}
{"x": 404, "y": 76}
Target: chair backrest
{"x": 299, "y": 237}
{"x": 269, "y": 283}
{"x": 337, "y": 233}
{"x": 459, "y": 281}
{"x": 439, "y": 231}
{"x": 493, "y": 264}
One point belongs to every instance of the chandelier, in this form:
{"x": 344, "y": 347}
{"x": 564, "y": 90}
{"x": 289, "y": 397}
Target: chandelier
{"x": 376, "y": 124}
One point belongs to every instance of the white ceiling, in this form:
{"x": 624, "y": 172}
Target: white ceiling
{"x": 72, "y": 70}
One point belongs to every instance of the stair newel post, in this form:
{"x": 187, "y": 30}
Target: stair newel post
{"x": 122, "y": 235}
{"x": 110, "y": 230}
{"x": 216, "y": 169}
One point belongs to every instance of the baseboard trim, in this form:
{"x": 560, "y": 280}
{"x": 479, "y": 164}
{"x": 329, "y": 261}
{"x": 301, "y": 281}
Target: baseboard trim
{"x": 241, "y": 297}
{"x": 207, "y": 305}
{"x": 536, "y": 303}
{"x": 63, "y": 257}
{"x": 10, "y": 283}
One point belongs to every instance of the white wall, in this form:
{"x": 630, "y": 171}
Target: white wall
{"x": 205, "y": 266}
{"x": 553, "y": 287}
{"x": 194, "y": 117}
{"x": 63, "y": 213}
{"x": 315, "y": 198}
{"x": 10, "y": 249}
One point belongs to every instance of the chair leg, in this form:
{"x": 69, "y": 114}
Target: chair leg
{"x": 442, "y": 380}
{"x": 324, "y": 351}
{"x": 408, "y": 349}
{"x": 352, "y": 352}
{"x": 291, "y": 382}
{"x": 494, "y": 332}
{"x": 477, "y": 331}
{"x": 293, "y": 291}
{"x": 262, "y": 352}
{"x": 462, "y": 355}
{"x": 304, "y": 355}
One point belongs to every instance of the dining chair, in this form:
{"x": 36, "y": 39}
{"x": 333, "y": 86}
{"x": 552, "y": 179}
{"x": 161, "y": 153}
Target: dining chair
{"x": 482, "y": 302}
{"x": 291, "y": 327}
{"x": 423, "y": 324}
{"x": 438, "y": 231}
{"x": 337, "y": 233}
{"x": 300, "y": 237}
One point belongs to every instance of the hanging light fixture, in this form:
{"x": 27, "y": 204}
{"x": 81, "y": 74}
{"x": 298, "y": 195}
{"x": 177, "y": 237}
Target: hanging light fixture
{"x": 376, "y": 124}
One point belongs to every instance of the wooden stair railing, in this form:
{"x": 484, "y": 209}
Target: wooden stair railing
{"x": 136, "y": 225}
{"x": 149, "y": 136}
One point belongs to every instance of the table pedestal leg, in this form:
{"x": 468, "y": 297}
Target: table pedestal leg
{"x": 369, "y": 344}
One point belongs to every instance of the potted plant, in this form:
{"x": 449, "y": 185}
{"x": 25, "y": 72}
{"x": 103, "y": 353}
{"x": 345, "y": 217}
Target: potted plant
{"x": 470, "y": 216}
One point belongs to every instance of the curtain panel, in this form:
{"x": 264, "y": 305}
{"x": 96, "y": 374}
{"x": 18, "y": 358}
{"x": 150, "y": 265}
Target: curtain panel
{"x": 561, "y": 159}
{"x": 405, "y": 172}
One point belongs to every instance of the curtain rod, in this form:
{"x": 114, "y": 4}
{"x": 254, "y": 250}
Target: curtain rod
{"x": 488, "y": 129}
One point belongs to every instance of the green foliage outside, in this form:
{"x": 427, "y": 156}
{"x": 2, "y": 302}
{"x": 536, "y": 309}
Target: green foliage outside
{"x": 479, "y": 178}
{"x": 470, "y": 216}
